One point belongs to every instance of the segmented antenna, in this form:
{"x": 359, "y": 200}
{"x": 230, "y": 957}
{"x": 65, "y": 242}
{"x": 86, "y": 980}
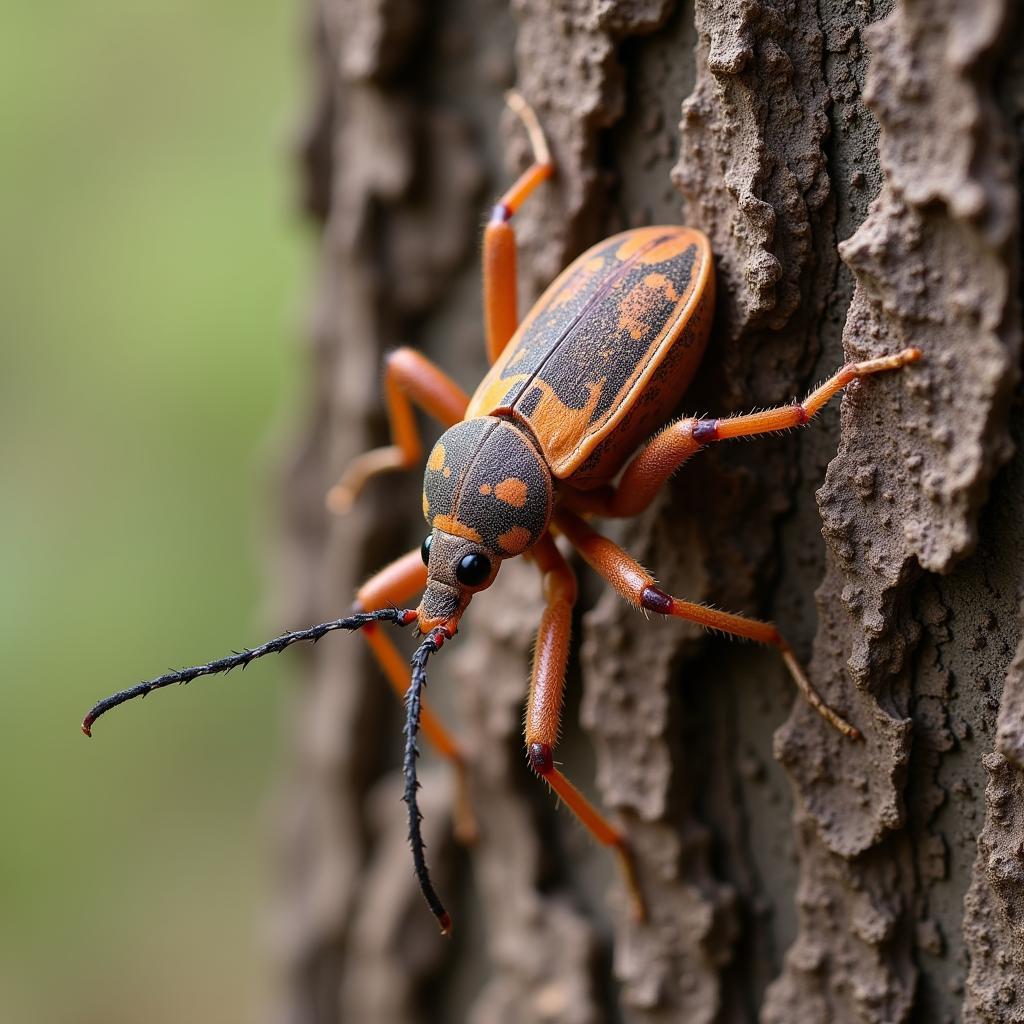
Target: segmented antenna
{"x": 413, "y": 704}
{"x": 240, "y": 659}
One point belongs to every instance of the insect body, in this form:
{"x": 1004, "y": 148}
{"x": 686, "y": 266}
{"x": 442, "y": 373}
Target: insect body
{"x": 547, "y": 440}
{"x": 597, "y": 365}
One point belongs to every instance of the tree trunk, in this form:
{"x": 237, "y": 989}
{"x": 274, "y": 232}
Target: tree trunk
{"x": 856, "y": 167}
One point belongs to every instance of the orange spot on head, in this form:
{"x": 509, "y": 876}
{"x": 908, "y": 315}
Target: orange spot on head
{"x": 426, "y": 506}
{"x": 437, "y": 457}
{"x": 512, "y": 492}
{"x": 485, "y": 488}
{"x": 447, "y": 524}
{"x": 447, "y": 471}
{"x": 514, "y": 541}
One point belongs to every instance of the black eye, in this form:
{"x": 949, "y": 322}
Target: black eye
{"x": 473, "y": 570}
{"x": 425, "y": 549}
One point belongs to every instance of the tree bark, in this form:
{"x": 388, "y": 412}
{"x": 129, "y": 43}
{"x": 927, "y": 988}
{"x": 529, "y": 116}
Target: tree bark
{"x": 857, "y": 167}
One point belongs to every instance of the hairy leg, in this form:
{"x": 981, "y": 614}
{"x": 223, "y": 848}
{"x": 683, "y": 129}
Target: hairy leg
{"x": 637, "y": 586}
{"x": 410, "y": 379}
{"x": 501, "y": 316}
{"x": 544, "y": 708}
{"x": 651, "y": 468}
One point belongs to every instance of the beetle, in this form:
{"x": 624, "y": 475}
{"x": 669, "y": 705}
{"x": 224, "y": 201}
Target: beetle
{"x": 573, "y": 420}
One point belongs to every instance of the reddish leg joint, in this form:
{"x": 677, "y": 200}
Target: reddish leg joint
{"x": 705, "y": 430}
{"x": 542, "y": 760}
{"x": 501, "y": 214}
{"x": 543, "y": 763}
{"x": 656, "y": 600}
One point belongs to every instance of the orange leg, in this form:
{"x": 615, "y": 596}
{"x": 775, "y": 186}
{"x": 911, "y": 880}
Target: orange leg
{"x": 500, "y": 304}
{"x": 637, "y": 586}
{"x": 409, "y": 379}
{"x": 544, "y": 707}
{"x": 666, "y": 453}
{"x": 396, "y": 584}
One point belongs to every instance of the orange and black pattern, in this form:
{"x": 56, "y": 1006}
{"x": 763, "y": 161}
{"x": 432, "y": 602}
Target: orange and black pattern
{"x": 485, "y": 482}
{"x": 595, "y": 338}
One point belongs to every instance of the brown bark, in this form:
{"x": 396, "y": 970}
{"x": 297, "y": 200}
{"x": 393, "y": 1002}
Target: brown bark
{"x": 858, "y": 172}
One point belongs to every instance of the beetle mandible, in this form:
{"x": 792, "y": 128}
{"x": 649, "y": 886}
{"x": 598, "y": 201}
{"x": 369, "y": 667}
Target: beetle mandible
{"x": 547, "y": 440}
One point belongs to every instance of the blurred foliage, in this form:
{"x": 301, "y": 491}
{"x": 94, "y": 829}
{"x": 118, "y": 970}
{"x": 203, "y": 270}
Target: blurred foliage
{"x": 150, "y": 286}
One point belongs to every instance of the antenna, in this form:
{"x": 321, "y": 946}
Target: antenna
{"x": 241, "y": 659}
{"x": 413, "y": 705}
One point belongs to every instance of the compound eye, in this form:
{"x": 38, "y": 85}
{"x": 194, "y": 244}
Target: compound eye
{"x": 425, "y": 549}
{"x": 472, "y": 570}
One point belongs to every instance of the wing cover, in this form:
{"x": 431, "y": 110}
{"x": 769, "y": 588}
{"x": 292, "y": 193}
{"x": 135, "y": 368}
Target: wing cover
{"x": 594, "y": 338}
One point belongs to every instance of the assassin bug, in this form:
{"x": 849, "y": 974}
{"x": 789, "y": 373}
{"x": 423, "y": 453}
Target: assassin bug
{"x": 595, "y": 369}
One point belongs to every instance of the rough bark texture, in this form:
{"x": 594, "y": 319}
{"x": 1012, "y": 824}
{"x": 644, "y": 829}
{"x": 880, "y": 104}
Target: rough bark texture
{"x": 857, "y": 168}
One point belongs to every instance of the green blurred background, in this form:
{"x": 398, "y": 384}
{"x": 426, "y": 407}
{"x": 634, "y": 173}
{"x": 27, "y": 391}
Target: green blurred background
{"x": 152, "y": 281}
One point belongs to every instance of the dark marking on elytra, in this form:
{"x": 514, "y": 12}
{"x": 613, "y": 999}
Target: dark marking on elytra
{"x": 595, "y": 349}
{"x": 650, "y": 410}
{"x": 527, "y": 406}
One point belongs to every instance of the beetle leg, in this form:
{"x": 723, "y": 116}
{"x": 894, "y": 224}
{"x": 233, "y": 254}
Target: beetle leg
{"x": 396, "y": 584}
{"x": 544, "y": 707}
{"x": 501, "y": 315}
{"x": 651, "y": 467}
{"x": 637, "y": 586}
{"x": 786, "y": 416}
{"x": 409, "y": 379}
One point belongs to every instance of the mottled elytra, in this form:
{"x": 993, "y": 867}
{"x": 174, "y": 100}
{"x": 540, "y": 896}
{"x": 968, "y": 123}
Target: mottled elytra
{"x": 571, "y": 421}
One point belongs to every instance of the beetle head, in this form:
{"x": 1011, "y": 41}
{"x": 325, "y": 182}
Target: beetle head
{"x": 487, "y": 496}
